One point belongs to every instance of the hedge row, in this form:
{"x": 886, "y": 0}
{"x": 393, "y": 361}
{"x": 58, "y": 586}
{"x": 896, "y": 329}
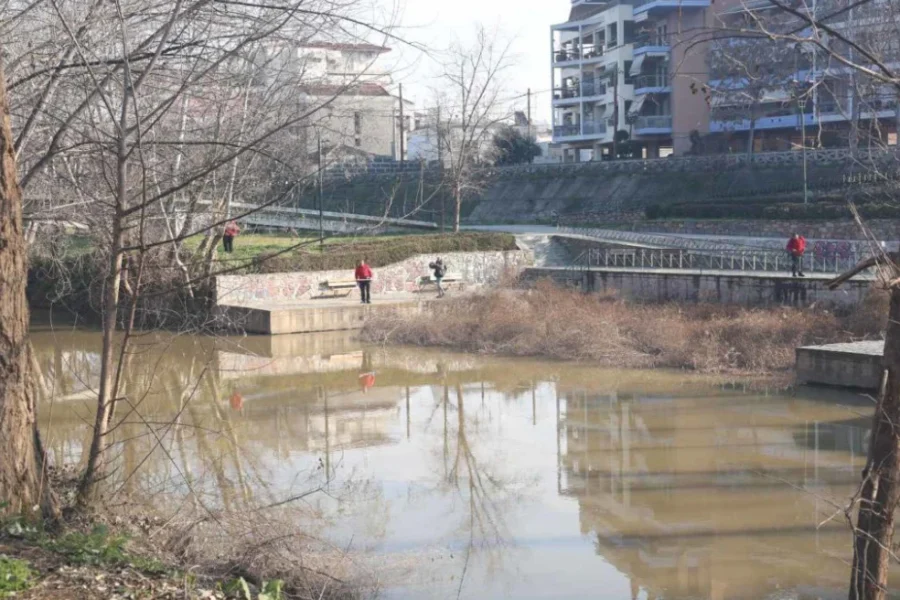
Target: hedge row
{"x": 379, "y": 253}
{"x": 766, "y": 210}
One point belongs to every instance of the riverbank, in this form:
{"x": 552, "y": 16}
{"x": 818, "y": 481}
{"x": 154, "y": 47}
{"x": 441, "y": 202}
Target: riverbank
{"x": 551, "y": 322}
{"x": 132, "y": 547}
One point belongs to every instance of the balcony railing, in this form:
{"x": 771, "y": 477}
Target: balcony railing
{"x": 594, "y": 127}
{"x": 645, "y": 43}
{"x": 566, "y": 130}
{"x": 565, "y": 92}
{"x": 655, "y": 80}
{"x": 581, "y": 53}
{"x": 593, "y": 88}
{"x": 653, "y": 122}
{"x": 565, "y": 54}
{"x": 670, "y": 4}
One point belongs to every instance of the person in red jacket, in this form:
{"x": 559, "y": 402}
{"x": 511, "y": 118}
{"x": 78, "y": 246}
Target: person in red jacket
{"x": 231, "y": 232}
{"x": 796, "y": 246}
{"x": 364, "y": 281}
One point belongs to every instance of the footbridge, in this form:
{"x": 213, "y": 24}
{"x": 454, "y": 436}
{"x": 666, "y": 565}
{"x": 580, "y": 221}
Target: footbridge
{"x": 283, "y": 217}
{"x": 650, "y": 267}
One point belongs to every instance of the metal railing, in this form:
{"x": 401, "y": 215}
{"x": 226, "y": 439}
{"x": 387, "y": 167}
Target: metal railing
{"x": 653, "y": 122}
{"x": 723, "y": 260}
{"x": 853, "y": 250}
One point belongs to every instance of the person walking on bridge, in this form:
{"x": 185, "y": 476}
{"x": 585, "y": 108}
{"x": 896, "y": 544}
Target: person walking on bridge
{"x": 364, "y": 281}
{"x": 796, "y": 246}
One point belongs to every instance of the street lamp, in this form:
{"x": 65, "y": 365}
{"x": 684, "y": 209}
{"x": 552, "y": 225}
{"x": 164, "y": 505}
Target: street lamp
{"x": 800, "y": 91}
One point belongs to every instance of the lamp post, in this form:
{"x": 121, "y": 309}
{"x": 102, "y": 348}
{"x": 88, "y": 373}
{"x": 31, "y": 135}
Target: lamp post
{"x": 800, "y": 89}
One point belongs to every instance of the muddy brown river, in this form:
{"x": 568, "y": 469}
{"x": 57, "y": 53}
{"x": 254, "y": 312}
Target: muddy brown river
{"x": 454, "y": 475}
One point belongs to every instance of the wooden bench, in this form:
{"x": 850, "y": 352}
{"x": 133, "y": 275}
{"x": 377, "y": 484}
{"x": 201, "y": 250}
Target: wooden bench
{"x": 446, "y": 280}
{"x": 339, "y": 285}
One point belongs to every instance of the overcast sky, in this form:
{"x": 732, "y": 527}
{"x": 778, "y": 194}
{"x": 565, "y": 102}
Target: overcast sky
{"x": 435, "y": 24}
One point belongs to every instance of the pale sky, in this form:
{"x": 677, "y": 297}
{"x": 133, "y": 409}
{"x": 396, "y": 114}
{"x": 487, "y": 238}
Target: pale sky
{"x": 435, "y": 24}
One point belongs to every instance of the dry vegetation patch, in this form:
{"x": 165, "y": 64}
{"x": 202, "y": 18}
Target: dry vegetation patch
{"x": 564, "y": 324}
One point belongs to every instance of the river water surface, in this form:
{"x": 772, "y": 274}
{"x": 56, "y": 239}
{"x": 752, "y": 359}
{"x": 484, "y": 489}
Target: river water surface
{"x": 473, "y": 477}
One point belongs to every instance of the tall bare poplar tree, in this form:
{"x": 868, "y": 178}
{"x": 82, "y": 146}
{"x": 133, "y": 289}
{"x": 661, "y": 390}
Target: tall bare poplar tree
{"x": 22, "y": 480}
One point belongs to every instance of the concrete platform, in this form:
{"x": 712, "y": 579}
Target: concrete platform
{"x": 853, "y": 365}
{"x": 313, "y": 316}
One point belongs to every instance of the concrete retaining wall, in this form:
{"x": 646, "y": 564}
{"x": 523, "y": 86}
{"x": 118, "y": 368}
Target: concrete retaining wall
{"x": 750, "y": 289}
{"x": 476, "y": 269}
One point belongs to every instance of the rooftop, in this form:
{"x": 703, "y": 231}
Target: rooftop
{"x": 347, "y": 47}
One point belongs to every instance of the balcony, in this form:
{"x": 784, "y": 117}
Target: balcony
{"x": 570, "y": 94}
{"x": 655, "y": 83}
{"x": 651, "y": 47}
{"x": 653, "y": 124}
{"x": 566, "y": 55}
{"x": 662, "y": 7}
{"x": 574, "y": 54}
{"x": 567, "y": 92}
{"x": 593, "y": 88}
{"x": 585, "y": 129}
{"x": 594, "y": 128}
{"x": 568, "y": 130}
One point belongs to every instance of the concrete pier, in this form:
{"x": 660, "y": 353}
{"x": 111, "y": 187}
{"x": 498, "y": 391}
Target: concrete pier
{"x": 313, "y": 316}
{"x": 853, "y": 365}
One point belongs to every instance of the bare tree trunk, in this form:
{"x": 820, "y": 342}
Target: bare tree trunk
{"x": 880, "y": 492}
{"x": 96, "y": 463}
{"x": 458, "y": 198}
{"x": 23, "y": 483}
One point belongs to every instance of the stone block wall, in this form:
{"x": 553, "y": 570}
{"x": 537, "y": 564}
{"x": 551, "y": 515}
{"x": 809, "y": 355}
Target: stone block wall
{"x": 476, "y": 268}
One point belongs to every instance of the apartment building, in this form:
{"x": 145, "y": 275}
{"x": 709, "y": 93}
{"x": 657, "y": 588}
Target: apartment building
{"x": 666, "y": 73}
{"x": 803, "y": 94}
{"x": 617, "y": 65}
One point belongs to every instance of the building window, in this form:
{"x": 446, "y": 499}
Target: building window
{"x": 357, "y": 124}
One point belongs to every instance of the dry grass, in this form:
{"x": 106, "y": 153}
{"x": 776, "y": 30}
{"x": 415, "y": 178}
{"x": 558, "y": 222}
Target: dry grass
{"x": 563, "y": 324}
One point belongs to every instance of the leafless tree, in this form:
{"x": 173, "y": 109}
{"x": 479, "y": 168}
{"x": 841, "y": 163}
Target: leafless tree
{"x": 472, "y": 106}
{"x": 23, "y": 484}
{"x": 144, "y": 122}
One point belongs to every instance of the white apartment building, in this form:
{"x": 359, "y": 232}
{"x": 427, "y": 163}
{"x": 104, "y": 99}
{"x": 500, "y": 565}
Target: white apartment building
{"x": 612, "y": 70}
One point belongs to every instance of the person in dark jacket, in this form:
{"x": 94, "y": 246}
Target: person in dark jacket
{"x": 796, "y": 246}
{"x": 439, "y": 271}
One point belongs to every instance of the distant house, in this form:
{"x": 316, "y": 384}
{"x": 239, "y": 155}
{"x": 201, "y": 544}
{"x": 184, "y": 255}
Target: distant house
{"x": 348, "y": 97}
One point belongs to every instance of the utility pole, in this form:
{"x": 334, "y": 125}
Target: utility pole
{"x": 615, "y": 149}
{"x": 440, "y": 155}
{"x": 321, "y": 224}
{"x": 529, "y": 113}
{"x": 402, "y": 129}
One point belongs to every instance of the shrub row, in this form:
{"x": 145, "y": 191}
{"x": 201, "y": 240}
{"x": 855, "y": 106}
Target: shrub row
{"x": 379, "y": 253}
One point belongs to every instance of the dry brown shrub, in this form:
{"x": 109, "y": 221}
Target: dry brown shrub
{"x": 563, "y": 324}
